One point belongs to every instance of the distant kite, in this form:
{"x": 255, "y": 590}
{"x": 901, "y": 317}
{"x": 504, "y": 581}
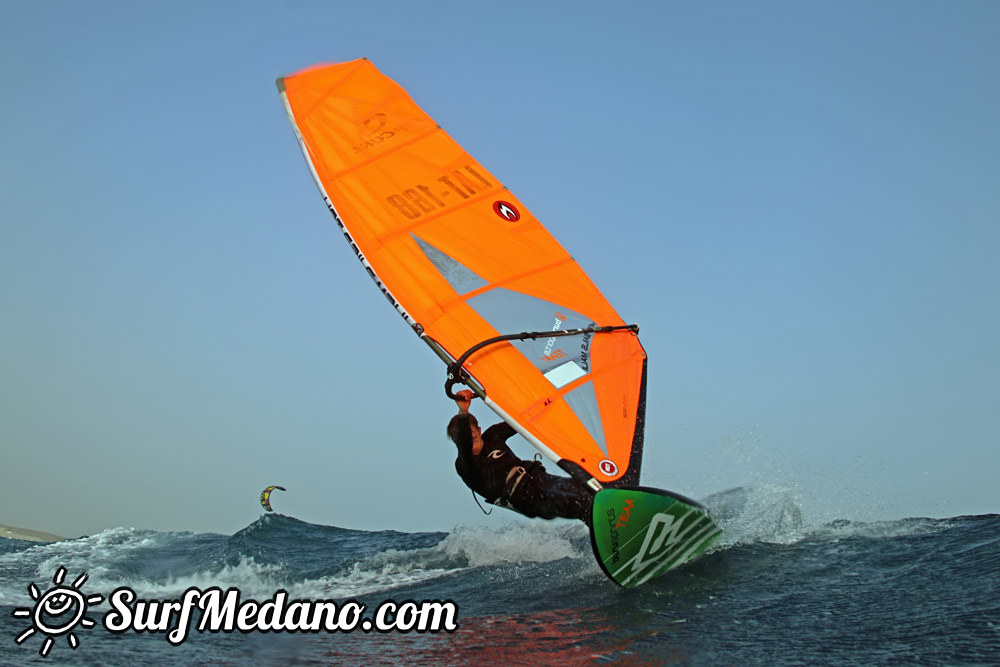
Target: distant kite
{"x": 265, "y": 497}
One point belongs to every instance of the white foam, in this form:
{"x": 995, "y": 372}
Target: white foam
{"x": 760, "y": 513}
{"x": 462, "y": 549}
{"x": 252, "y": 578}
{"x": 513, "y": 543}
{"x": 364, "y": 578}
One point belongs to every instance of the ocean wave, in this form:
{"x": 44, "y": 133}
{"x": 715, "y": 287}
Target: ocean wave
{"x": 311, "y": 561}
{"x": 283, "y": 553}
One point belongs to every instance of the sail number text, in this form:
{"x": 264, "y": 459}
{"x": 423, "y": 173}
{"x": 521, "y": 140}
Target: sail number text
{"x": 456, "y": 185}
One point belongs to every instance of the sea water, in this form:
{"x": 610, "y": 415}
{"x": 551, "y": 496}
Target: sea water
{"x": 777, "y": 591}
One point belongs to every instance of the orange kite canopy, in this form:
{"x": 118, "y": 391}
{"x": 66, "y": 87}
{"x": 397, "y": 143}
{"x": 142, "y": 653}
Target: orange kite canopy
{"x": 464, "y": 261}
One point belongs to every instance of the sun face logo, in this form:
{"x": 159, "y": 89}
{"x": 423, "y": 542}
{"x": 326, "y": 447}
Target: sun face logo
{"x": 57, "y": 612}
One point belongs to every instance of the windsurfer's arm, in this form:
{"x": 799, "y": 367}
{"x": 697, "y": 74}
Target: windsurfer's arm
{"x": 466, "y": 421}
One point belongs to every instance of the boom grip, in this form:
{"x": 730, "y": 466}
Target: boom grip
{"x": 449, "y": 383}
{"x": 455, "y": 376}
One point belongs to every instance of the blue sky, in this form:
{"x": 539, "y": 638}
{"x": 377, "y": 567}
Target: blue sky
{"x": 797, "y": 202}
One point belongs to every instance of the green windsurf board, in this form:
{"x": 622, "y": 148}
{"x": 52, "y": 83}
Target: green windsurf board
{"x": 641, "y": 532}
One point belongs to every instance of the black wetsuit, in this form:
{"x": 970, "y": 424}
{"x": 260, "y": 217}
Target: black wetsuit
{"x": 498, "y": 475}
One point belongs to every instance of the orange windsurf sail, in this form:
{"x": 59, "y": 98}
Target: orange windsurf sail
{"x": 473, "y": 272}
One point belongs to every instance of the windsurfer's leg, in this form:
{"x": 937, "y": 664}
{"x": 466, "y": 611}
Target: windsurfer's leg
{"x": 547, "y": 496}
{"x": 567, "y": 498}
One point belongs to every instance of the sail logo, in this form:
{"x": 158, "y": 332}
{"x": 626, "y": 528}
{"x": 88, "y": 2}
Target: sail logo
{"x": 506, "y": 210}
{"x": 554, "y": 354}
{"x": 608, "y": 467}
{"x": 548, "y": 354}
{"x": 662, "y": 534}
{"x": 376, "y": 131}
{"x": 585, "y": 351}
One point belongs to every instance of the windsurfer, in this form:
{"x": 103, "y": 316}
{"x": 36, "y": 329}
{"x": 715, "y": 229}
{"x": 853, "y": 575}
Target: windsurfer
{"x": 488, "y": 466}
